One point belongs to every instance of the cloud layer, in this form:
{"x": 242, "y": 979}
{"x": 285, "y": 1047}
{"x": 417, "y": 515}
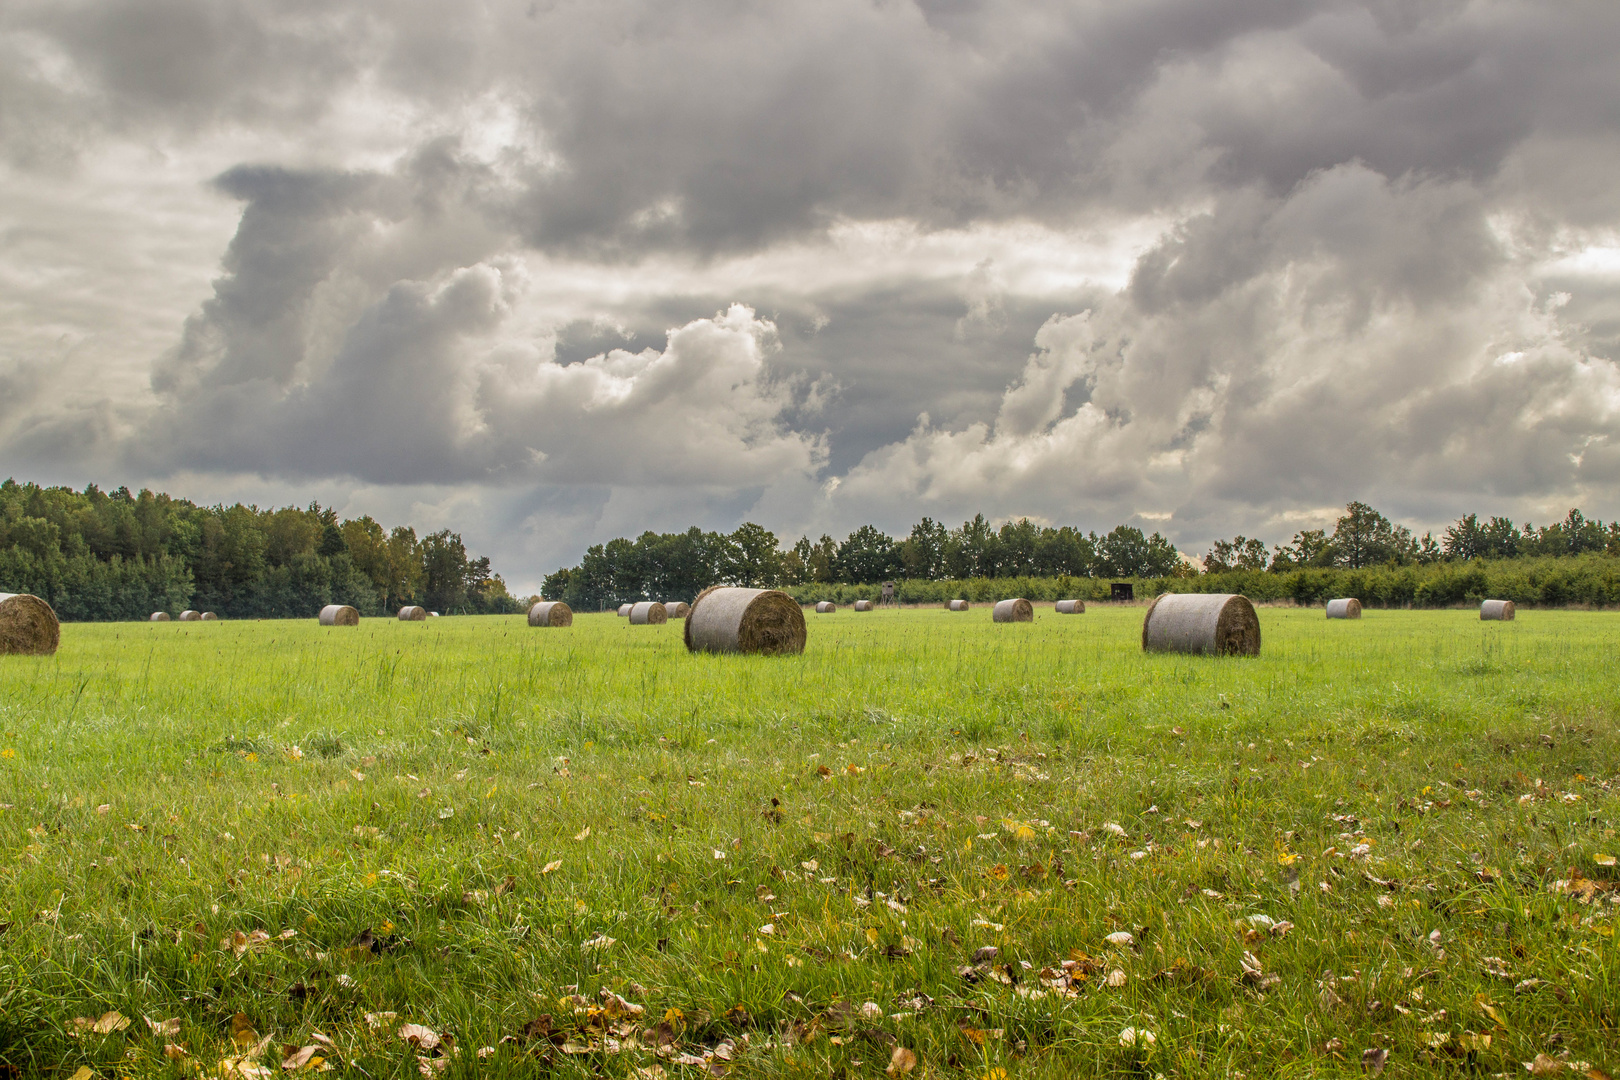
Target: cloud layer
{"x": 554, "y": 271}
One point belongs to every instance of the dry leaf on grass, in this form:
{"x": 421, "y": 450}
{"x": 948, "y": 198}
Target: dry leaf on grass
{"x": 1372, "y": 1061}
{"x": 423, "y": 1038}
{"x": 618, "y": 1008}
{"x": 174, "y": 1053}
{"x": 553, "y": 865}
{"x": 299, "y": 1057}
{"x": 901, "y": 1062}
{"x": 163, "y": 1028}
{"x": 84, "y": 1073}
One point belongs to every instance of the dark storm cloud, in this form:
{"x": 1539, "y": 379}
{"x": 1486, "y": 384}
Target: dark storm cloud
{"x": 501, "y": 245}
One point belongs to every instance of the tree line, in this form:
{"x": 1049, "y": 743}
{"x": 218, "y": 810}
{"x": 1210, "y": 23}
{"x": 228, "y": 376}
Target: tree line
{"x": 972, "y": 557}
{"x": 97, "y": 555}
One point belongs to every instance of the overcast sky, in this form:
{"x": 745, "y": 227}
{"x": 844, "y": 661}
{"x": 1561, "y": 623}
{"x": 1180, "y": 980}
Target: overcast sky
{"x": 549, "y": 272}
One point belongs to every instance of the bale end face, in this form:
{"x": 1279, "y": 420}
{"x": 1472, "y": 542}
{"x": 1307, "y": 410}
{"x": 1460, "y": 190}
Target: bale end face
{"x": 1344, "y": 608}
{"x": 551, "y": 613}
{"x": 863, "y": 605}
{"x": 1016, "y": 609}
{"x": 677, "y": 609}
{"x": 412, "y": 613}
{"x": 826, "y": 607}
{"x": 158, "y": 616}
{"x": 339, "y": 615}
{"x": 28, "y": 626}
{"x": 956, "y": 605}
{"x": 1071, "y": 607}
{"x": 1497, "y": 610}
{"x": 209, "y": 616}
{"x": 1211, "y": 624}
{"x": 727, "y": 619}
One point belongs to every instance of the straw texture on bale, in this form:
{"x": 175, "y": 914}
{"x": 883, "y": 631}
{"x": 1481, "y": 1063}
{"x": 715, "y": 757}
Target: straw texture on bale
{"x": 863, "y": 605}
{"x": 1345, "y": 607}
{"x": 551, "y": 613}
{"x": 648, "y": 613}
{"x": 1215, "y": 624}
{"x": 209, "y": 616}
{"x": 727, "y": 619}
{"x": 28, "y": 626}
{"x": 1497, "y": 610}
{"x": 680, "y": 609}
{"x": 1071, "y": 607}
{"x": 339, "y": 615}
{"x": 826, "y": 607}
{"x": 624, "y": 610}
{"x": 1015, "y": 609}
{"x": 957, "y": 605}
{"x": 412, "y": 613}
{"x": 191, "y": 616}
{"x": 158, "y": 616}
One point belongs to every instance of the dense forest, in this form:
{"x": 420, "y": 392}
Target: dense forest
{"x": 120, "y": 555}
{"x": 1365, "y": 555}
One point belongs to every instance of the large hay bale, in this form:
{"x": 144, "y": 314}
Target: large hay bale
{"x": 209, "y": 616}
{"x": 680, "y": 609}
{"x": 863, "y": 605}
{"x": 339, "y": 615}
{"x": 956, "y": 605}
{"x": 624, "y": 610}
{"x": 191, "y": 616}
{"x": 158, "y": 616}
{"x": 1016, "y": 609}
{"x": 1345, "y": 607}
{"x": 551, "y": 613}
{"x": 826, "y": 607}
{"x": 28, "y": 626}
{"x": 648, "y": 613}
{"x": 726, "y": 619}
{"x": 412, "y": 613}
{"x": 1221, "y": 624}
{"x": 1497, "y": 610}
{"x": 1071, "y": 607}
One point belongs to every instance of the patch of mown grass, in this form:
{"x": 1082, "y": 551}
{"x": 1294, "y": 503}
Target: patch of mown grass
{"x": 511, "y": 822}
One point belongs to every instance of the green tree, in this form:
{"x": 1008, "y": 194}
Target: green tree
{"x": 866, "y": 557}
{"x": 922, "y": 554}
{"x": 753, "y": 558}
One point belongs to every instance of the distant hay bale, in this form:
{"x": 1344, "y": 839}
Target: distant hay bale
{"x": 1071, "y": 607}
{"x": 158, "y": 616}
{"x": 208, "y": 616}
{"x": 412, "y": 613}
{"x": 433, "y": 614}
{"x": 680, "y": 609}
{"x": 725, "y": 619}
{"x": 339, "y": 615}
{"x": 1219, "y": 624}
{"x": 863, "y": 605}
{"x": 1016, "y": 609}
{"x": 648, "y": 613}
{"x": 28, "y": 626}
{"x": 1497, "y": 610}
{"x": 956, "y": 605}
{"x": 191, "y": 616}
{"x": 551, "y": 613}
{"x": 1346, "y": 607}
{"x": 624, "y": 610}
{"x": 826, "y": 607}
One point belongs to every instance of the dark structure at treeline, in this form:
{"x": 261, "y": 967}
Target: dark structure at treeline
{"x": 97, "y": 555}
{"x": 1365, "y": 555}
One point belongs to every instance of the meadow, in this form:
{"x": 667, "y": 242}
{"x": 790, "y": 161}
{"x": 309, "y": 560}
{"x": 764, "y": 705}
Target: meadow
{"x": 928, "y": 846}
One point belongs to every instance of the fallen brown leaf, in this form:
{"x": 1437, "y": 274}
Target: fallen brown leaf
{"x": 162, "y": 1028}
{"x": 901, "y": 1062}
{"x": 423, "y": 1038}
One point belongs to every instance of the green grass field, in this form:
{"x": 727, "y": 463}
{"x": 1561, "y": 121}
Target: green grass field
{"x": 586, "y": 852}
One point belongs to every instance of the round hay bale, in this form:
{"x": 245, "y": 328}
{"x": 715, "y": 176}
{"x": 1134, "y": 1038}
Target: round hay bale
{"x": 1497, "y": 610}
{"x": 433, "y": 614}
{"x": 1016, "y": 609}
{"x": 826, "y": 607}
{"x": 412, "y": 613}
{"x": 209, "y": 616}
{"x": 1214, "y": 624}
{"x": 648, "y": 613}
{"x": 624, "y": 610}
{"x": 863, "y": 605}
{"x": 680, "y": 609}
{"x": 190, "y": 616}
{"x": 339, "y": 615}
{"x": 956, "y": 605}
{"x": 28, "y": 626}
{"x": 1071, "y": 607}
{"x": 551, "y": 613}
{"x": 158, "y": 616}
{"x": 726, "y": 619}
{"x": 1345, "y": 607}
